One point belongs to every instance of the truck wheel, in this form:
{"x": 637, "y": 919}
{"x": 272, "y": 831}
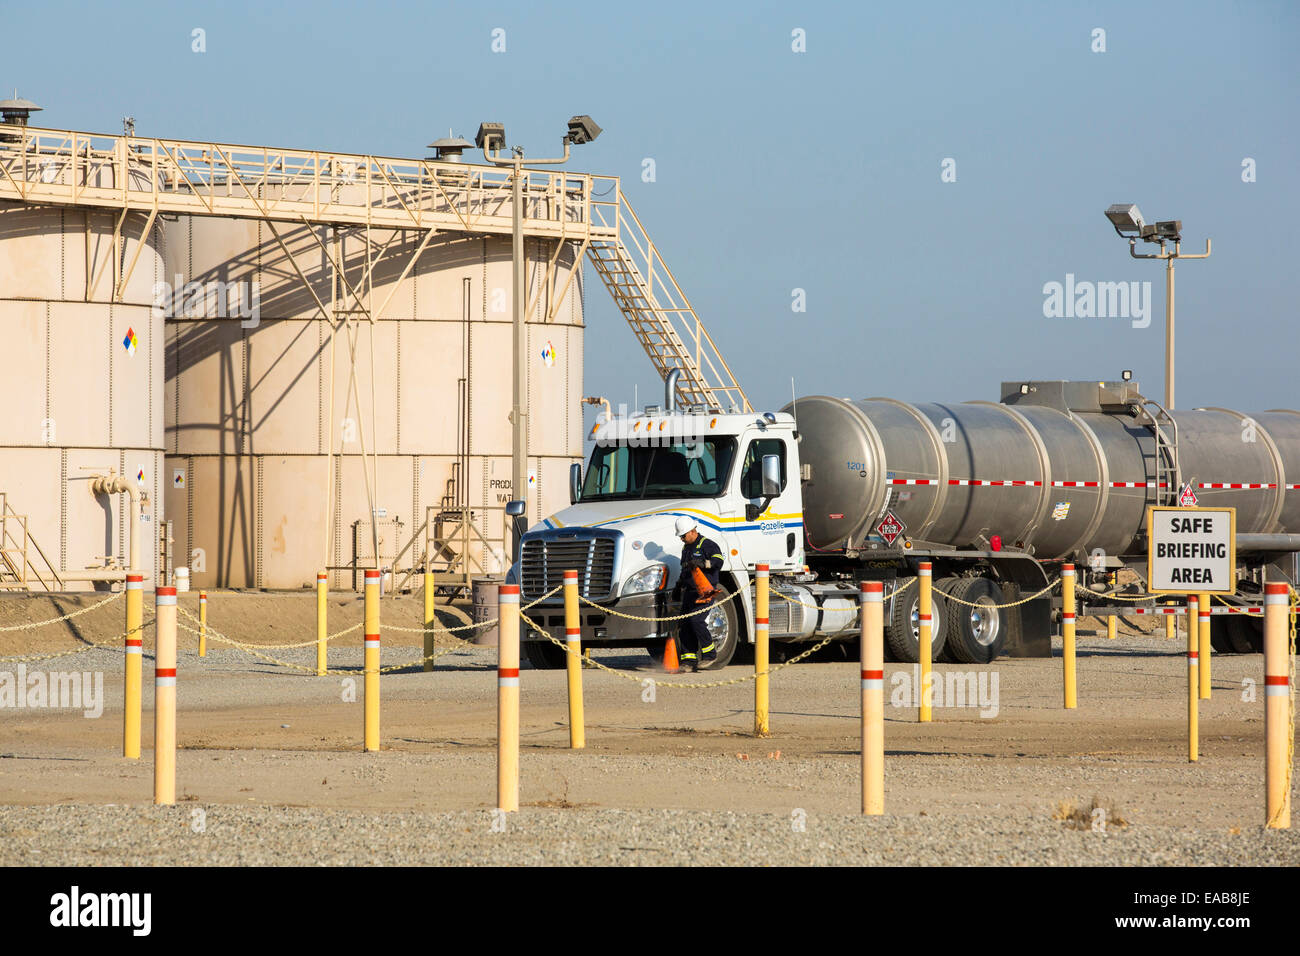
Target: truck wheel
{"x": 722, "y": 624}
{"x": 903, "y": 635}
{"x": 1245, "y": 634}
{"x": 976, "y": 635}
{"x": 545, "y": 656}
{"x": 947, "y": 586}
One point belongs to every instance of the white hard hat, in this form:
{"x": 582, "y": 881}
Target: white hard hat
{"x": 684, "y": 525}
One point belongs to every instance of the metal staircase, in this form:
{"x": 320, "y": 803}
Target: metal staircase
{"x": 1168, "y": 473}
{"x": 22, "y": 562}
{"x": 661, "y": 317}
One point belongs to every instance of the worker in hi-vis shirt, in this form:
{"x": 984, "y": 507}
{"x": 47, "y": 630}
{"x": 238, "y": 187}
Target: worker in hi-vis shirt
{"x": 697, "y": 585}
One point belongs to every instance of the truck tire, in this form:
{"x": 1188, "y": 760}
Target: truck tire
{"x": 724, "y": 625}
{"x": 976, "y": 635}
{"x": 902, "y": 635}
{"x": 1246, "y": 635}
{"x": 545, "y": 656}
{"x": 946, "y": 585}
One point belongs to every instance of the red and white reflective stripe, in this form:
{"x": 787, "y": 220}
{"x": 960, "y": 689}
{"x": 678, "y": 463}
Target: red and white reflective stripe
{"x": 508, "y": 594}
{"x": 573, "y": 634}
{"x": 926, "y": 568}
{"x": 165, "y": 596}
{"x": 873, "y": 680}
{"x": 761, "y": 622}
{"x": 1276, "y": 685}
{"x": 1236, "y": 484}
{"x": 322, "y": 577}
{"x": 913, "y": 481}
{"x": 508, "y": 676}
{"x": 873, "y": 591}
{"x": 982, "y": 483}
{"x": 1067, "y": 571}
{"x": 133, "y": 645}
{"x": 135, "y": 582}
{"x": 571, "y": 575}
{"x": 164, "y": 677}
{"x": 762, "y": 570}
{"x": 1191, "y": 659}
{"x": 1067, "y": 615}
{"x": 925, "y": 618}
{"x": 1076, "y": 484}
{"x": 372, "y": 640}
{"x": 1275, "y": 594}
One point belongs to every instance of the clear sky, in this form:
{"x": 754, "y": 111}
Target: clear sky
{"x": 819, "y": 170}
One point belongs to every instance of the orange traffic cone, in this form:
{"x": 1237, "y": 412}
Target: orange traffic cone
{"x": 671, "y": 664}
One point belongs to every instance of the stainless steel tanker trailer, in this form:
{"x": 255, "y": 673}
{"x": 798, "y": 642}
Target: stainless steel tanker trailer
{"x": 832, "y": 491}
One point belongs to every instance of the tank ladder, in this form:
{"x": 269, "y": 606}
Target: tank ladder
{"x": 1168, "y": 474}
{"x": 21, "y": 558}
{"x": 661, "y": 317}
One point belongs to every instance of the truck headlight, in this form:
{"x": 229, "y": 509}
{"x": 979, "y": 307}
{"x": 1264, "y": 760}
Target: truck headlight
{"x": 647, "y": 579}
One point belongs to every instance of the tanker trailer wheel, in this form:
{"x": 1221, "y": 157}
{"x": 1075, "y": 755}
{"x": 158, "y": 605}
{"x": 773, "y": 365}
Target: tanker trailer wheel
{"x": 903, "y": 635}
{"x": 1246, "y": 634}
{"x": 976, "y": 635}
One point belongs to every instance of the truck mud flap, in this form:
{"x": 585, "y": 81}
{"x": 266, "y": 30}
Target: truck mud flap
{"x": 1029, "y": 632}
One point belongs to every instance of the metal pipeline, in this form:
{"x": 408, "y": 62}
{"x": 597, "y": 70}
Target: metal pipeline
{"x": 119, "y": 484}
{"x": 1268, "y": 542}
{"x": 670, "y": 390}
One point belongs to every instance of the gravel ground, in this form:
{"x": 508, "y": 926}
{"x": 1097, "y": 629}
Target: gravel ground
{"x": 269, "y": 836}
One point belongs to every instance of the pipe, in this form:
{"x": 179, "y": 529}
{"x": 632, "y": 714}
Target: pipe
{"x": 601, "y": 401}
{"x": 119, "y": 484}
{"x": 670, "y": 390}
{"x": 1268, "y": 542}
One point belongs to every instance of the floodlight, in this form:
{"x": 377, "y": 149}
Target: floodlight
{"x": 491, "y": 137}
{"x": 1126, "y": 218}
{"x": 582, "y": 129}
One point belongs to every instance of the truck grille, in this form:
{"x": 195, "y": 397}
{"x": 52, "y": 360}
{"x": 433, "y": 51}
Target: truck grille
{"x": 544, "y": 562}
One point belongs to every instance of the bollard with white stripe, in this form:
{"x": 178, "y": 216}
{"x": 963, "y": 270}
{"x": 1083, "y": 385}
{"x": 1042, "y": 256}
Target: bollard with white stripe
{"x": 762, "y": 707}
{"x": 322, "y": 615}
{"x": 371, "y": 684}
{"x": 203, "y": 624}
{"x": 1203, "y": 660}
{"x": 1277, "y": 712}
{"x": 924, "y": 613}
{"x": 870, "y": 598}
{"x": 430, "y": 621}
{"x": 508, "y": 697}
{"x": 1067, "y": 636}
{"x": 134, "y": 679}
{"x": 164, "y": 698}
{"x": 1171, "y": 624}
{"x": 573, "y": 661}
{"x": 1193, "y": 681}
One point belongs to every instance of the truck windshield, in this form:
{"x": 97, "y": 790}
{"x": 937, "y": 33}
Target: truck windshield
{"x": 695, "y": 470}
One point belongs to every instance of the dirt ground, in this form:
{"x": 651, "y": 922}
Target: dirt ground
{"x": 253, "y": 732}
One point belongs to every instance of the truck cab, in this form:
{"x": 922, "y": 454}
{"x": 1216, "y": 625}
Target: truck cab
{"x": 736, "y": 475}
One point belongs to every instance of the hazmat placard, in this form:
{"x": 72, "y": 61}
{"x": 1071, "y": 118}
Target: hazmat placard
{"x": 1191, "y": 550}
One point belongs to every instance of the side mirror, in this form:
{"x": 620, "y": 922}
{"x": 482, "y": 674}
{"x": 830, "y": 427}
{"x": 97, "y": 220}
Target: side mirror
{"x": 515, "y": 511}
{"x": 771, "y": 486}
{"x": 771, "y": 476}
{"x": 575, "y": 483}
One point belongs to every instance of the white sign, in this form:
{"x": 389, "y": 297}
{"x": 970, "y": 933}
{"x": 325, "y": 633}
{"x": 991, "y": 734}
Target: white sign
{"x": 1191, "y": 550}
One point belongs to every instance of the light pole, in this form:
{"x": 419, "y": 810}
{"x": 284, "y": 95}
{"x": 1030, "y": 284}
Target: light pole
{"x": 1129, "y": 224}
{"x": 491, "y": 139}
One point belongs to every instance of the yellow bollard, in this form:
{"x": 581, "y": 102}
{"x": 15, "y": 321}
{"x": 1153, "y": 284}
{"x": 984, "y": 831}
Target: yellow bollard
{"x": 203, "y": 624}
{"x": 1193, "y": 682}
{"x": 371, "y": 684}
{"x": 924, "y": 644}
{"x": 762, "y": 710}
{"x": 322, "y": 618}
{"x": 430, "y": 621}
{"x": 870, "y": 597}
{"x": 1067, "y": 635}
{"x": 1203, "y": 663}
{"x": 1171, "y": 624}
{"x": 508, "y": 697}
{"x": 573, "y": 661}
{"x": 1110, "y": 627}
{"x": 134, "y": 654}
{"x": 164, "y": 698}
{"x": 1277, "y": 703}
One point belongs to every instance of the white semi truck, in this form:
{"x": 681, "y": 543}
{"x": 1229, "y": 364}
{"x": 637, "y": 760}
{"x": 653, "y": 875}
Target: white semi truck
{"x": 829, "y": 492}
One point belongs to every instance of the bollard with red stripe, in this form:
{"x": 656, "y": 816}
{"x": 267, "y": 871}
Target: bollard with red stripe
{"x": 203, "y": 624}
{"x": 1203, "y": 646}
{"x": 925, "y": 637}
{"x": 871, "y": 618}
{"x": 1193, "y": 680}
{"x": 762, "y": 708}
{"x": 1277, "y": 708}
{"x": 573, "y": 662}
{"x": 508, "y": 697}
{"x": 371, "y": 663}
{"x": 1067, "y": 636}
{"x": 164, "y": 698}
{"x": 133, "y": 677}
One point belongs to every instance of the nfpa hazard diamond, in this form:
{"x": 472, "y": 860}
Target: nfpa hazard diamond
{"x": 1187, "y": 497}
{"x": 889, "y": 528}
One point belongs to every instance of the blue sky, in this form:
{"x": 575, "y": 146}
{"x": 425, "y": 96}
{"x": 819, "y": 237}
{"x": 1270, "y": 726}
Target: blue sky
{"x": 819, "y": 170}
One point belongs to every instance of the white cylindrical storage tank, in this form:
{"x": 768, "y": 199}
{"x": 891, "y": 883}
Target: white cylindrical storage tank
{"x": 253, "y": 415}
{"x": 83, "y": 384}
